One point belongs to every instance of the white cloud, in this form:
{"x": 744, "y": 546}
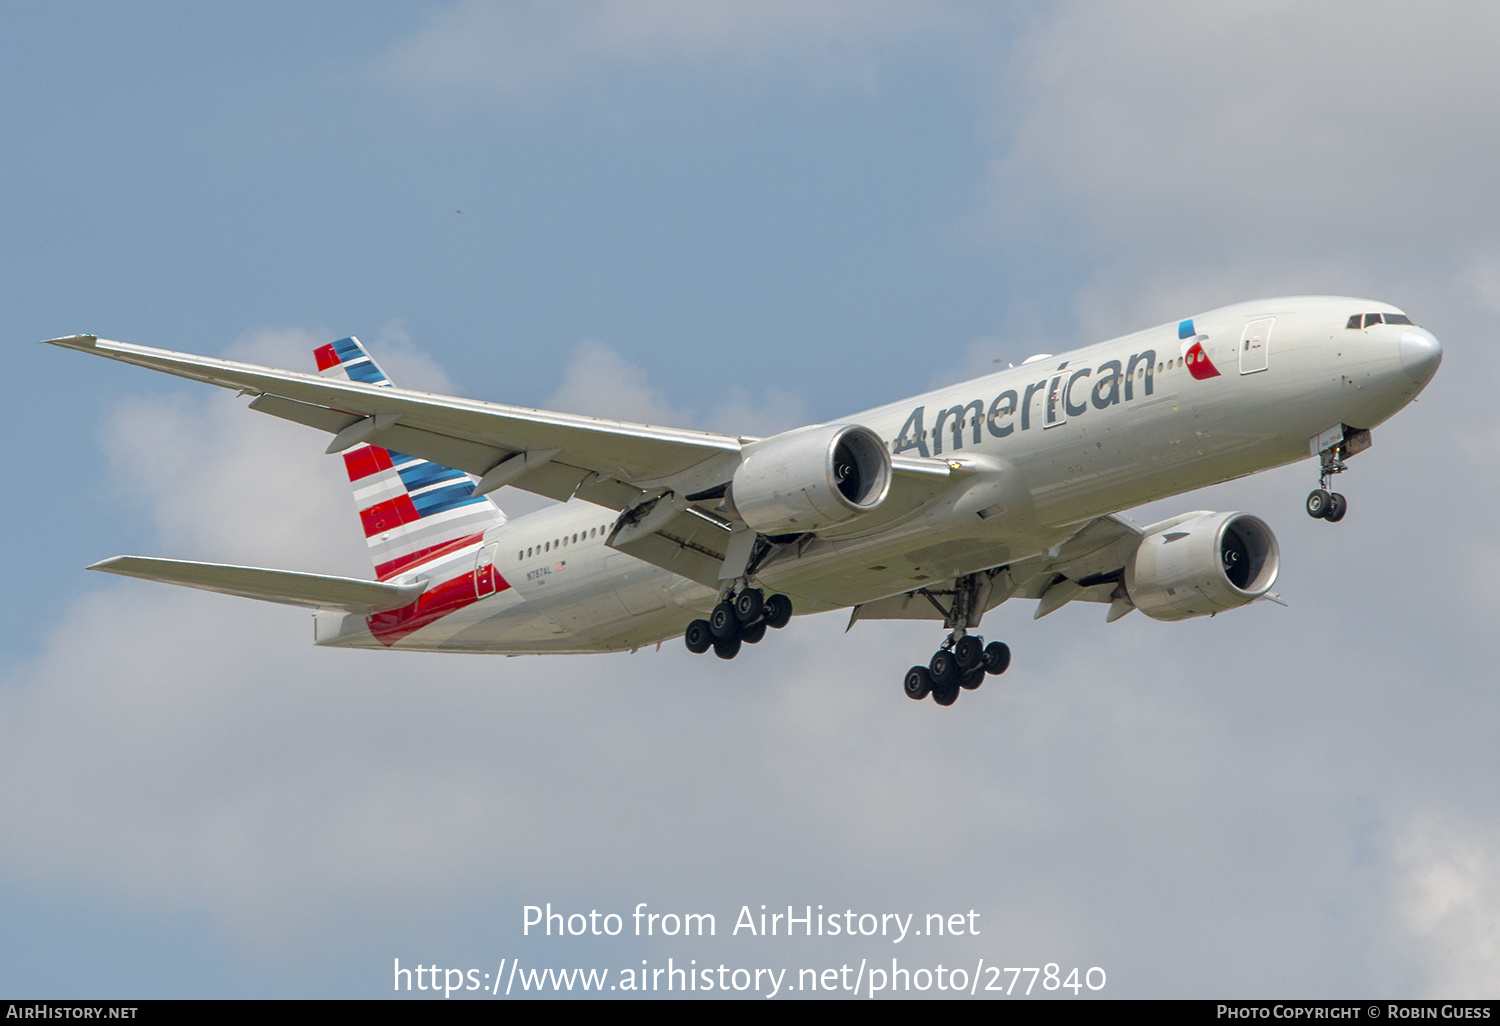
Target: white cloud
{"x": 1207, "y": 152}
{"x": 1448, "y": 897}
{"x": 982, "y": 356}
{"x": 525, "y": 48}
{"x": 599, "y": 382}
{"x": 1161, "y": 116}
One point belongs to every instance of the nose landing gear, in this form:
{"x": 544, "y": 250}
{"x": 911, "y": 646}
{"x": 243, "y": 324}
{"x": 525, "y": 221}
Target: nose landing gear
{"x": 1323, "y": 504}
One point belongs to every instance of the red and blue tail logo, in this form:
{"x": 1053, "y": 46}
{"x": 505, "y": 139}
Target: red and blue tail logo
{"x": 413, "y": 511}
{"x": 1198, "y": 363}
{"x": 347, "y": 359}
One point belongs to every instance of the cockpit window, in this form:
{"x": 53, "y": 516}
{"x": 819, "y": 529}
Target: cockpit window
{"x": 1366, "y": 320}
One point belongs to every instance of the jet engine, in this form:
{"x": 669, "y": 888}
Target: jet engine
{"x": 1202, "y": 566}
{"x": 811, "y": 478}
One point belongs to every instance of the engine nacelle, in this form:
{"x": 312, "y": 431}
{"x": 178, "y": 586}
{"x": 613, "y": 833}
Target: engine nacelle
{"x": 1203, "y": 565}
{"x": 811, "y": 478}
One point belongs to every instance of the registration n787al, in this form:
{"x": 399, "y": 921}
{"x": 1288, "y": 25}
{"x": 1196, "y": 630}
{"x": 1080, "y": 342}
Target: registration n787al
{"x": 937, "y": 507}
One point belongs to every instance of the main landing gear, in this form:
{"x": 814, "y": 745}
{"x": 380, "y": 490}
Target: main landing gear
{"x": 741, "y": 619}
{"x": 964, "y": 660}
{"x": 960, "y": 665}
{"x": 1323, "y": 504}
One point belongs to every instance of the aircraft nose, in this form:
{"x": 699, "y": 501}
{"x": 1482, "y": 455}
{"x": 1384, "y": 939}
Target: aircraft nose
{"x": 1420, "y": 354}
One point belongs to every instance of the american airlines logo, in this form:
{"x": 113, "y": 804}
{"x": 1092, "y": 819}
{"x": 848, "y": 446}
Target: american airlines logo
{"x": 1064, "y": 394}
{"x": 1198, "y": 363}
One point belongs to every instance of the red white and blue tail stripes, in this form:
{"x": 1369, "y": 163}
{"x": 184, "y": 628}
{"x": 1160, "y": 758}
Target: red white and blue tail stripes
{"x": 413, "y": 511}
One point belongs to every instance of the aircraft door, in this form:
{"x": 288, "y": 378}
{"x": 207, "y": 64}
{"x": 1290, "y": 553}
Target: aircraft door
{"x": 1054, "y": 408}
{"x": 486, "y": 577}
{"x": 1255, "y": 345}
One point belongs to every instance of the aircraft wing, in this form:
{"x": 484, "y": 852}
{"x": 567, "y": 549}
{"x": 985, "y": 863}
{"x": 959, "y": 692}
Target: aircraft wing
{"x": 1087, "y": 567}
{"x": 615, "y": 464}
{"x": 315, "y": 591}
{"x": 558, "y": 455}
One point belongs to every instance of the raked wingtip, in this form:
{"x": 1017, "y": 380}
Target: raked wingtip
{"x": 72, "y": 341}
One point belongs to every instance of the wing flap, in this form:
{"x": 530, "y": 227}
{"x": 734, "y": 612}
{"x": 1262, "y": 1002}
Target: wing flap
{"x": 678, "y": 538}
{"x": 314, "y": 591}
{"x": 320, "y": 417}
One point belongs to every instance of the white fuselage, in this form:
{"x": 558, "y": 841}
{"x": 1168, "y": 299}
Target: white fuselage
{"x": 1049, "y": 445}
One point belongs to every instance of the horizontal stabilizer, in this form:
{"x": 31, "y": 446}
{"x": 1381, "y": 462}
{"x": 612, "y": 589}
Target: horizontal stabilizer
{"x": 316, "y": 591}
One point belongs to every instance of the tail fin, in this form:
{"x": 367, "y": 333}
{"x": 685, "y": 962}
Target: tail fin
{"x": 413, "y": 511}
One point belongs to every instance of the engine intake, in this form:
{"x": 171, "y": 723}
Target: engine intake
{"x": 1202, "y": 565}
{"x": 811, "y": 478}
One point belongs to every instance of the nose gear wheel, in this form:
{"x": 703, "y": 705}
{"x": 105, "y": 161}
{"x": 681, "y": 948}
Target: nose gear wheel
{"x": 1323, "y": 504}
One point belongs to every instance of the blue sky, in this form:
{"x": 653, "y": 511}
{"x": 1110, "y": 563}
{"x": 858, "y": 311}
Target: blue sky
{"x": 743, "y": 217}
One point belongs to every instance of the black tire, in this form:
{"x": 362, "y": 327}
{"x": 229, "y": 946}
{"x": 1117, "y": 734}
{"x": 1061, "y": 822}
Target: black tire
{"x": 918, "y": 683}
{"x": 722, "y": 622}
{"x": 751, "y": 635}
{"x": 944, "y": 670}
{"x": 1318, "y": 503}
{"x": 727, "y": 648}
{"x": 698, "y": 637}
{"x": 945, "y": 696}
{"x": 1337, "y": 507}
{"x": 996, "y": 658}
{"x": 972, "y": 678}
{"x": 748, "y": 604}
{"x": 777, "y": 611}
{"x": 968, "y": 653}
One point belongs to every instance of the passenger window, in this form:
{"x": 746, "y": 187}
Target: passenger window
{"x": 1371, "y": 319}
{"x": 546, "y": 546}
{"x": 1354, "y": 321}
{"x": 1397, "y": 319}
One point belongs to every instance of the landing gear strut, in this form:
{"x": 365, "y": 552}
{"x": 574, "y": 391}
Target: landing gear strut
{"x": 1323, "y": 504}
{"x": 741, "y": 618}
{"x": 964, "y": 660}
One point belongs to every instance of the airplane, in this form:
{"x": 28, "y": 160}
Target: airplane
{"x": 938, "y": 507}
